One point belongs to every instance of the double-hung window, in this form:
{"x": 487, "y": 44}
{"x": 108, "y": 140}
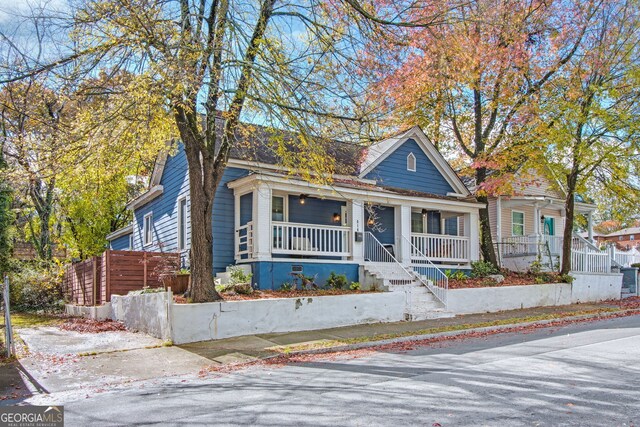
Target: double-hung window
{"x": 517, "y": 223}
{"x": 182, "y": 224}
{"x": 147, "y": 229}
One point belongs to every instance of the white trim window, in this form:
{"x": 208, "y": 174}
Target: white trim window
{"x": 182, "y": 223}
{"x": 517, "y": 223}
{"x": 147, "y": 229}
{"x": 279, "y": 208}
{"x": 131, "y": 241}
{"x": 411, "y": 162}
{"x": 417, "y": 222}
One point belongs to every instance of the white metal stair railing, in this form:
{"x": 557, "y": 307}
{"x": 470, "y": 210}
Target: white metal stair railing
{"x": 429, "y": 274}
{"x": 375, "y": 252}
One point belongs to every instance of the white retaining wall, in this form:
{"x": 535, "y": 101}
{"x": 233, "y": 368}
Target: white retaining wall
{"x": 199, "y": 322}
{"x": 100, "y": 312}
{"x": 587, "y": 287}
{"x": 592, "y": 287}
{"x": 499, "y": 298}
{"x": 148, "y": 313}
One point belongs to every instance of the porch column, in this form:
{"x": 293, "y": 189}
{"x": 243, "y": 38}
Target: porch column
{"x": 403, "y": 228}
{"x": 355, "y": 209}
{"x": 262, "y": 234}
{"x": 236, "y": 225}
{"x": 472, "y": 230}
{"x": 536, "y": 220}
{"x": 590, "y": 225}
{"x": 499, "y": 219}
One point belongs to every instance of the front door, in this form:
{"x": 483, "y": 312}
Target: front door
{"x": 549, "y": 226}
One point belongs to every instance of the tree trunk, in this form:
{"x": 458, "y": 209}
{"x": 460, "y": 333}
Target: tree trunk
{"x": 567, "y": 234}
{"x": 203, "y": 182}
{"x": 43, "y": 204}
{"x": 486, "y": 239}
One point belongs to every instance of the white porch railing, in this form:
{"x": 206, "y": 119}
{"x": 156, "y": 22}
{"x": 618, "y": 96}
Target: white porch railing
{"x": 625, "y": 259}
{"x": 530, "y": 245}
{"x": 590, "y": 261}
{"x": 310, "y": 239}
{"x": 439, "y": 247}
{"x": 244, "y": 241}
{"x": 428, "y": 273}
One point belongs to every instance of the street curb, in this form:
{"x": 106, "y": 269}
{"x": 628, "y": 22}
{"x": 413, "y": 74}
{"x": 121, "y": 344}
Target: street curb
{"x": 453, "y": 334}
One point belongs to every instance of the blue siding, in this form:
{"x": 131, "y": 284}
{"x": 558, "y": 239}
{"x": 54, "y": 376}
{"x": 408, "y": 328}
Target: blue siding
{"x": 392, "y": 171}
{"x": 314, "y": 211}
{"x": 120, "y": 244}
{"x": 385, "y": 231}
{"x": 175, "y": 181}
{"x": 223, "y": 221}
{"x": 271, "y": 275}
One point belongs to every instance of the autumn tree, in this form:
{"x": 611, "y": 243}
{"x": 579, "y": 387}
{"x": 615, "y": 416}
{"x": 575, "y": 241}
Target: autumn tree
{"x": 119, "y": 126}
{"x": 214, "y": 61}
{"x": 591, "y": 134}
{"x": 34, "y": 140}
{"x": 473, "y": 80}
{"x": 6, "y": 217}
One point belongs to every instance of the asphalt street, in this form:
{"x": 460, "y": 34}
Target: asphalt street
{"x": 585, "y": 375}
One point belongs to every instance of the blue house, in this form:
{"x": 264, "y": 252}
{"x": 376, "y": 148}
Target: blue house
{"x": 394, "y": 209}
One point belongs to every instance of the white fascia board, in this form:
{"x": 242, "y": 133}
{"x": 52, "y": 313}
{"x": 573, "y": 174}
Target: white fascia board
{"x": 276, "y": 182}
{"x": 120, "y": 232}
{"x": 268, "y": 167}
{"x": 145, "y": 198}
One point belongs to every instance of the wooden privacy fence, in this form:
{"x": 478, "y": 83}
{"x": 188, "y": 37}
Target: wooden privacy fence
{"x": 93, "y": 281}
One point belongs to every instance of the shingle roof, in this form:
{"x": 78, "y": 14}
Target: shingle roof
{"x": 262, "y": 144}
{"x": 625, "y": 231}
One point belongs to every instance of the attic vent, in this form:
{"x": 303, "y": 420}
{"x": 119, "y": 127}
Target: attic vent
{"x": 411, "y": 162}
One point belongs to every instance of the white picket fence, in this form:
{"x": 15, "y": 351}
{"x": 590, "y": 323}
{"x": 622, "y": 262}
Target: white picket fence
{"x": 627, "y": 258}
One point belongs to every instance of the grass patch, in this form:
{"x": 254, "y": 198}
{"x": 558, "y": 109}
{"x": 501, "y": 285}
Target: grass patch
{"x": 450, "y": 328}
{"x": 32, "y": 320}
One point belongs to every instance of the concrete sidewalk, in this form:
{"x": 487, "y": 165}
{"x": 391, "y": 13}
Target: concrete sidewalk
{"x": 49, "y": 372}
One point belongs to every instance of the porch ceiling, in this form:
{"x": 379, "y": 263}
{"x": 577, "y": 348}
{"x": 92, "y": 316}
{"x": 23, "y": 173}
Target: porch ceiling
{"x": 544, "y": 202}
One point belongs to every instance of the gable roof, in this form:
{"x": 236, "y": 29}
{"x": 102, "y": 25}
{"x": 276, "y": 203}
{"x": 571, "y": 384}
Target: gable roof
{"x": 378, "y": 152}
{"x": 260, "y": 145}
{"x": 255, "y": 145}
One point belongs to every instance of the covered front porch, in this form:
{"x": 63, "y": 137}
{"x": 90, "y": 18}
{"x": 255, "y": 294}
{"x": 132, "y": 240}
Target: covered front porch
{"x": 532, "y": 228}
{"x": 279, "y": 218}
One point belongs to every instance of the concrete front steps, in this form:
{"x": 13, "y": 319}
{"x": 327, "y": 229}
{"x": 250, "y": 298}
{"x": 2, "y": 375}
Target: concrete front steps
{"x": 421, "y": 304}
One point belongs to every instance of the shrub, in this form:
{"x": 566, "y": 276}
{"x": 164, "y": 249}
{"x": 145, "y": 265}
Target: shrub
{"x": 355, "y": 286}
{"x": 337, "y": 281}
{"x": 457, "y": 275}
{"x": 237, "y": 275}
{"x": 566, "y": 278}
{"x": 287, "y": 286}
{"x": 535, "y": 267}
{"x": 36, "y": 287}
{"x": 482, "y": 269}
